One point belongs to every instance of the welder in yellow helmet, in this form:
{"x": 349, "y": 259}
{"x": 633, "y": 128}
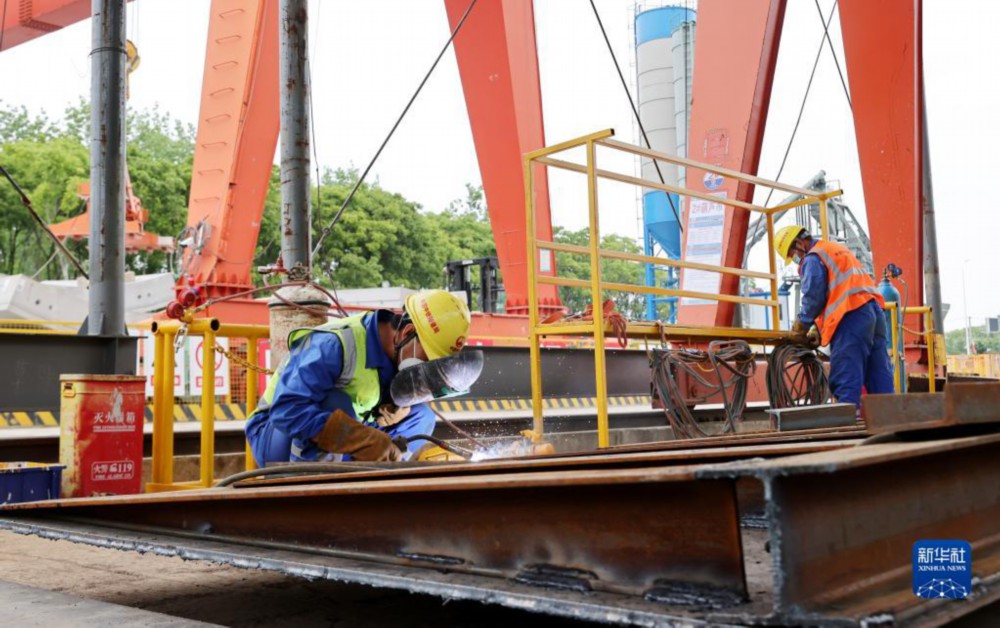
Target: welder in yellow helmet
{"x": 329, "y": 400}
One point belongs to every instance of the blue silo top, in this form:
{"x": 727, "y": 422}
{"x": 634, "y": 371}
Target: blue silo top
{"x": 660, "y": 23}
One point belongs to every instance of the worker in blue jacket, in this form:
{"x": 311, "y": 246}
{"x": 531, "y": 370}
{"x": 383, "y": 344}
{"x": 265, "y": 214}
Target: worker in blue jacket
{"x": 840, "y": 297}
{"x": 329, "y": 399}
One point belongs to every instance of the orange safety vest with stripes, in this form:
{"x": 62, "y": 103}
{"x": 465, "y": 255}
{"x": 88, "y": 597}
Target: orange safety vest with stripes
{"x": 848, "y": 286}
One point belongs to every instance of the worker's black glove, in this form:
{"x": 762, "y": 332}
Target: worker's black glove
{"x": 800, "y": 334}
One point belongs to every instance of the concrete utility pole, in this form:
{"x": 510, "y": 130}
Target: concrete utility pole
{"x": 309, "y": 306}
{"x": 106, "y": 314}
{"x": 295, "y": 186}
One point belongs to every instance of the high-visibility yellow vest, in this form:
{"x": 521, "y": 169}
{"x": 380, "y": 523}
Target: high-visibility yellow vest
{"x": 360, "y": 383}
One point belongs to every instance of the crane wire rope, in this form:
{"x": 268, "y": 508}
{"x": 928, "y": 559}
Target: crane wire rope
{"x": 41, "y": 223}
{"x": 805, "y": 98}
{"x": 836, "y": 60}
{"x": 347, "y": 201}
{"x": 635, "y": 111}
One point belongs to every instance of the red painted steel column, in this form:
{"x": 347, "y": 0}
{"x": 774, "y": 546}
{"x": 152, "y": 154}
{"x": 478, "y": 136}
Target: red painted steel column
{"x": 882, "y": 44}
{"x": 735, "y": 54}
{"x": 498, "y": 63}
{"x": 234, "y": 147}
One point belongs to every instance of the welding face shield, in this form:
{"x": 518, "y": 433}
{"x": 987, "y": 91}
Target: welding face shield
{"x": 438, "y": 379}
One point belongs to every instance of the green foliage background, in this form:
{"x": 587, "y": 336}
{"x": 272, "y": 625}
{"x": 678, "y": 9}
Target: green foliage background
{"x": 382, "y": 237}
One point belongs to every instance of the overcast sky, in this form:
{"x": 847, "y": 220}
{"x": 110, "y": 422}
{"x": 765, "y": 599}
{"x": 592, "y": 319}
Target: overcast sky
{"x": 369, "y": 55}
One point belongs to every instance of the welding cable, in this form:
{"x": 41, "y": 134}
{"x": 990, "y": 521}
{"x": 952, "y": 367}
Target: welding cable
{"x": 475, "y": 441}
{"x": 455, "y": 449}
{"x": 796, "y": 377}
{"x": 731, "y": 363}
{"x": 294, "y": 469}
{"x": 736, "y": 357}
{"x": 364, "y": 174}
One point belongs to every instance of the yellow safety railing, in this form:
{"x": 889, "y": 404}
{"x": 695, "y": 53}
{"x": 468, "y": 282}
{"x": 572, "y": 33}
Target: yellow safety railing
{"x": 39, "y": 327}
{"x": 932, "y": 341}
{"x": 165, "y": 333}
{"x": 598, "y": 327}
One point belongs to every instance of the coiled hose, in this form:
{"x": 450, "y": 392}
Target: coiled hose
{"x": 723, "y": 370}
{"x": 796, "y": 377}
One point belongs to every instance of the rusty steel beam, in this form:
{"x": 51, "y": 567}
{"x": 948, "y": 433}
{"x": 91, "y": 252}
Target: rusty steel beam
{"x": 630, "y": 532}
{"x": 959, "y": 404}
{"x": 343, "y": 472}
{"x": 813, "y": 417}
{"x": 595, "y": 606}
{"x": 842, "y": 525}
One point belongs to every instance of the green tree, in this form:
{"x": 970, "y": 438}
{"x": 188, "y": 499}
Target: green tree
{"x": 983, "y": 341}
{"x": 381, "y": 237}
{"x": 50, "y": 171}
{"x": 159, "y": 157}
{"x": 612, "y": 270}
{"x": 51, "y": 161}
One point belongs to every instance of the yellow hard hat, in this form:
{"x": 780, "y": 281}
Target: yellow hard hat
{"x": 784, "y": 238}
{"x": 442, "y": 321}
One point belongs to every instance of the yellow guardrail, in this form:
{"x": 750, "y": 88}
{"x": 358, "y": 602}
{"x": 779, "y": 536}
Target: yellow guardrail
{"x": 165, "y": 334}
{"x": 933, "y": 341}
{"x": 597, "y": 328}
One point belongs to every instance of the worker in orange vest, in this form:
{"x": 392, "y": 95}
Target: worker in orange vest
{"x": 839, "y": 296}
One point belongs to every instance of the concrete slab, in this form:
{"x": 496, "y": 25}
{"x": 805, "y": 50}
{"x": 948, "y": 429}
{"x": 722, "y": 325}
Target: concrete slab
{"x": 22, "y": 605}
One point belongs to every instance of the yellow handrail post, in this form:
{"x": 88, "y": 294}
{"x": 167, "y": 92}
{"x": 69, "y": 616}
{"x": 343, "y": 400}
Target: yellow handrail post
{"x": 929, "y": 335}
{"x": 535, "y": 351}
{"x": 208, "y": 409}
{"x": 160, "y": 467}
{"x": 772, "y": 265}
{"x": 601, "y": 392}
{"x": 251, "y": 405}
{"x": 897, "y": 379}
{"x": 823, "y": 219}
{"x": 164, "y": 446}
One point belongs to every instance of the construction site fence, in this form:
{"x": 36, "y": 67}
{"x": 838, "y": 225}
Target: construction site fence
{"x": 597, "y": 285}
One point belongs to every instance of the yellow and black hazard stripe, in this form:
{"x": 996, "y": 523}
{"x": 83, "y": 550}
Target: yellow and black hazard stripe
{"x": 191, "y": 412}
{"x": 500, "y": 405}
{"x": 29, "y": 419}
{"x": 183, "y": 413}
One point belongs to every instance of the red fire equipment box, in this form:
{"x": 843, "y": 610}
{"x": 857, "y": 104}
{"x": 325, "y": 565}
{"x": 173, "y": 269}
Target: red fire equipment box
{"x": 100, "y": 440}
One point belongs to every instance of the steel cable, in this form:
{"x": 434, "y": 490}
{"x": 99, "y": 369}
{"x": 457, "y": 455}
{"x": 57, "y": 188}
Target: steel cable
{"x": 635, "y": 112}
{"x": 406, "y": 109}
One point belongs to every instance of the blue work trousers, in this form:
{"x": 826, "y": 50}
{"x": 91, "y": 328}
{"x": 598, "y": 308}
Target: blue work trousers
{"x": 858, "y": 355}
{"x": 270, "y": 444}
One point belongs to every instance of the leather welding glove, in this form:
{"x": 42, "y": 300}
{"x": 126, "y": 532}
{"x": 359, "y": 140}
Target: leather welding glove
{"x": 390, "y": 414}
{"x": 800, "y": 333}
{"x": 343, "y": 435}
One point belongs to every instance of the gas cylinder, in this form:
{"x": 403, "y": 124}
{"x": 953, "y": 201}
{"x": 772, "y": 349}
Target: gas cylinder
{"x": 891, "y": 295}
